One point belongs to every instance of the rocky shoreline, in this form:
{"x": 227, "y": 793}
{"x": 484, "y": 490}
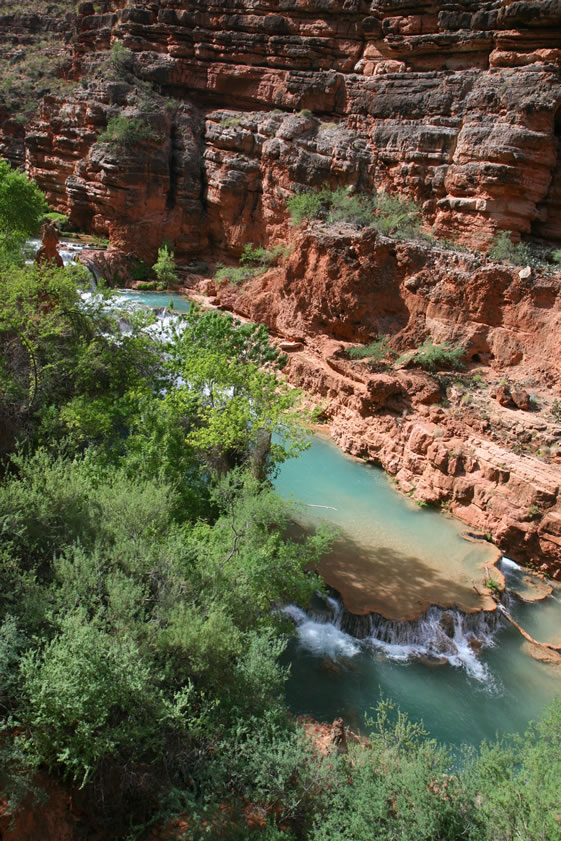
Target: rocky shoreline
{"x": 446, "y": 438}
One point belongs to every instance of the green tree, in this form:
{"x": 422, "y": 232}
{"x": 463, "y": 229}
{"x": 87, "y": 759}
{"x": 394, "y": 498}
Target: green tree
{"x": 88, "y": 696}
{"x": 164, "y": 268}
{"x": 516, "y": 782}
{"x": 22, "y": 206}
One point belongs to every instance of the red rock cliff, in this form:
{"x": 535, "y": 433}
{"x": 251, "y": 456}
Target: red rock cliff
{"x": 455, "y": 104}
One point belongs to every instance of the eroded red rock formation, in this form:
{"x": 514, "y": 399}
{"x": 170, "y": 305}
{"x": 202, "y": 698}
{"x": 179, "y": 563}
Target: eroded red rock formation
{"x": 447, "y": 441}
{"x": 454, "y": 104}
{"x": 48, "y": 252}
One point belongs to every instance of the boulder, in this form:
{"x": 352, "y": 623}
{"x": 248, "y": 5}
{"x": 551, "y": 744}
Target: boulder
{"x": 521, "y": 399}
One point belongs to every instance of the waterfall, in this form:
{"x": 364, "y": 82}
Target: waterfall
{"x": 321, "y": 636}
{"x": 439, "y": 636}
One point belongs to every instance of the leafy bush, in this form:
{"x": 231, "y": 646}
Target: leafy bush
{"x": 556, "y": 256}
{"x": 433, "y": 357}
{"x": 58, "y": 219}
{"x": 254, "y": 261}
{"x": 305, "y": 206}
{"x": 230, "y": 122}
{"x": 390, "y": 215}
{"x": 164, "y": 268}
{"x": 376, "y": 351}
{"x": 397, "y": 217}
{"x": 355, "y": 209}
{"x": 126, "y": 131}
{"x": 22, "y": 206}
{"x": 504, "y": 250}
{"x": 121, "y": 59}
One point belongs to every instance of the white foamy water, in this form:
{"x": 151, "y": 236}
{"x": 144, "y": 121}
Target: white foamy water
{"x": 441, "y": 636}
{"x": 68, "y": 249}
{"x": 321, "y": 638}
{"x": 507, "y": 564}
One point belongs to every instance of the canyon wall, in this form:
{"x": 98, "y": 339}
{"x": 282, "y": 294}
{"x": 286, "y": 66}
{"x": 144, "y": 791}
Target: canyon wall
{"x": 455, "y": 105}
{"x": 449, "y": 438}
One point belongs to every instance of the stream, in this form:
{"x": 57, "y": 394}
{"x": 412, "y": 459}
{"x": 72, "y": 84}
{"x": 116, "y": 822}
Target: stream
{"x": 466, "y": 673}
{"x": 466, "y": 683}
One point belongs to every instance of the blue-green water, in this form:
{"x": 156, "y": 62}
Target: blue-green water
{"x": 156, "y": 299}
{"x": 394, "y": 558}
{"x": 475, "y": 693}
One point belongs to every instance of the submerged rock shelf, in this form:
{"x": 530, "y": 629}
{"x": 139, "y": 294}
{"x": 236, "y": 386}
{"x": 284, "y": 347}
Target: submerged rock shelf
{"x": 390, "y": 557}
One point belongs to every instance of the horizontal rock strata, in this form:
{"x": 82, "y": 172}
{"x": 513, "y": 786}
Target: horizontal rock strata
{"x": 456, "y": 105}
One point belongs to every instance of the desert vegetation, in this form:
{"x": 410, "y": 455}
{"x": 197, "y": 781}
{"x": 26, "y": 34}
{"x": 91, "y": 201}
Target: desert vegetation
{"x": 391, "y": 215}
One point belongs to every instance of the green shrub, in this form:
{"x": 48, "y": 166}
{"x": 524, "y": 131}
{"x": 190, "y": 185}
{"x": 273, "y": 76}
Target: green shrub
{"x": 305, "y": 206}
{"x": 121, "y": 59}
{"x": 376, "y": 351}
{"x": 356, "y": 209}
{"x": 556, "y": 256}
{"x": 257, "y": 255}
{"x": 391, "y": 215}
{"x": 433, "y": 357}
{"x": 230, "y": 122}
{"x": 125, "y": 131}
{"x": 164, "y": 268}
{"x": 397, "y": 217}
{"x": 235, "y": 275}
{"x": 254, "y": 261}
{"x": 58, "y": 219}
{"x": 503, "y": 250}
{"x": 147, "y": 285}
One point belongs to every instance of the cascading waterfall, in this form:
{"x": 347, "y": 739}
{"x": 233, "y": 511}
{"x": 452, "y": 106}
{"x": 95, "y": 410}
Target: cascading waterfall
{"x": 440, "y": 635}
{"x": 69, "y": 251}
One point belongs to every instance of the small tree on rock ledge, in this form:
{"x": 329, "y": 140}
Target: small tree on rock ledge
{"x": 164, "y": 268}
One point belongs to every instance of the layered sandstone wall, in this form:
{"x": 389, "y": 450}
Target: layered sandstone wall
{"x": 245, "y": 103}
{"x": 453, "y": 104}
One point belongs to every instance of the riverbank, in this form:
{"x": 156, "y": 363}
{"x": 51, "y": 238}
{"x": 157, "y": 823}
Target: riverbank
{"x": 454, "y": 440}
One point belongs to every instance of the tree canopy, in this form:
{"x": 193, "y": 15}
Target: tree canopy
{"x": 22, "y": 206}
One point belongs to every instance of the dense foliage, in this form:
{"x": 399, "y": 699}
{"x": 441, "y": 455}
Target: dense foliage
{"x": 391, "y": 215}
{"x": 142, "y": 555}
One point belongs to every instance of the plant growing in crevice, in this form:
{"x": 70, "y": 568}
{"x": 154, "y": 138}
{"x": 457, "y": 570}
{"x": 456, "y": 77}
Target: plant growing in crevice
{"x": 504, "y": 250}
{"x": 126, "y": 131}
{"x": 433, "y": 357}
{"x": 391, "y": 215}
{"x": 377, "y": 351}
{"x": 254, "y": 261}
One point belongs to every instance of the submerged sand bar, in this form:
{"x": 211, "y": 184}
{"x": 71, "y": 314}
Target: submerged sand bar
{"x": 390, "y": 557}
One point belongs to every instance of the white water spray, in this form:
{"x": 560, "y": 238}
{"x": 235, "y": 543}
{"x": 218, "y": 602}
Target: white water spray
{"x": 439, "y": 636}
